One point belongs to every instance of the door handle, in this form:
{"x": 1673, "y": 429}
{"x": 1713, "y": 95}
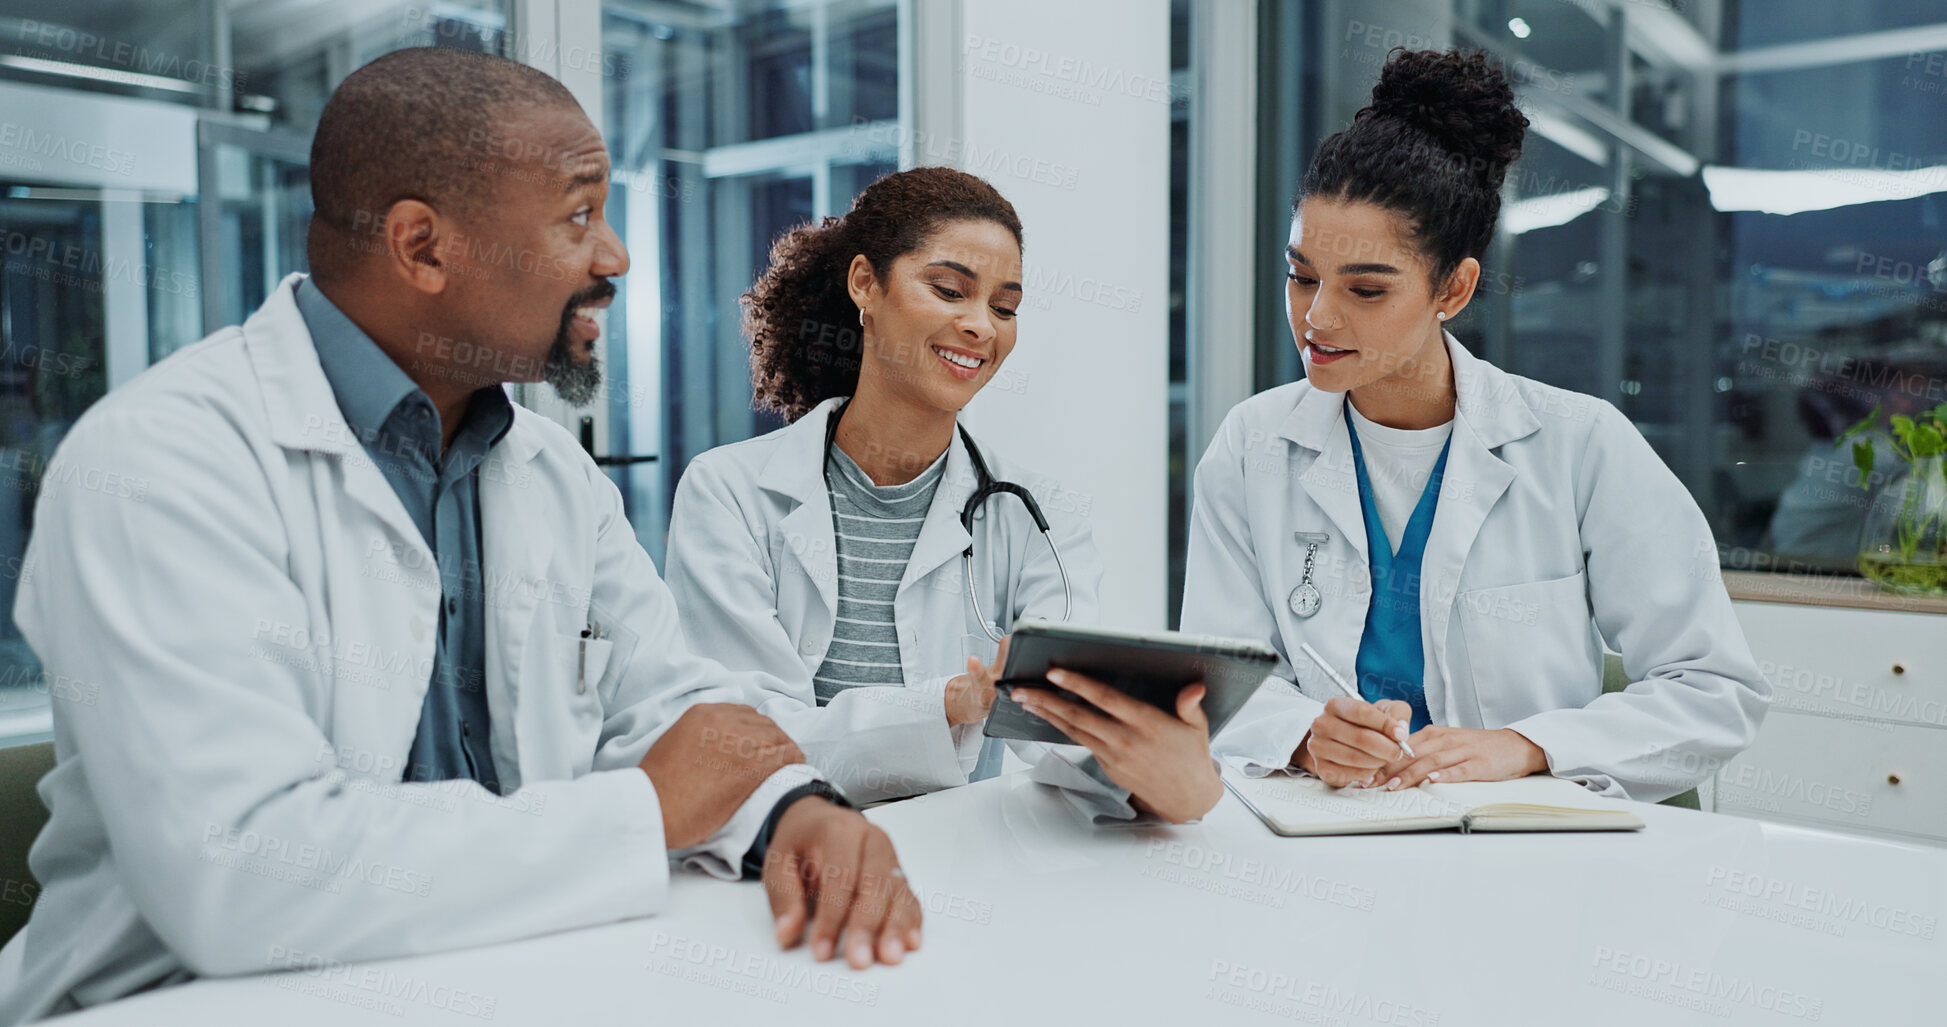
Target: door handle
{"x": 620, "y": 460}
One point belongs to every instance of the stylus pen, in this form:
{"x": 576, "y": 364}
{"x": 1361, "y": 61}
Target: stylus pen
{"x": 1347, "y": 689}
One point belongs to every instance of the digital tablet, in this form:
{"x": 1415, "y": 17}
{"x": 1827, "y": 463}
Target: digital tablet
{"x": 1150, "y": 665}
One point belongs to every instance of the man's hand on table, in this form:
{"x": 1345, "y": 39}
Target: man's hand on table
{"x": 829, "y": 873}
{"x": 831, "y": 870}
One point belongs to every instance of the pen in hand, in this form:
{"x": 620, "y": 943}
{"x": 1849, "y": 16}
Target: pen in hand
{"x": 1348, "y": 689}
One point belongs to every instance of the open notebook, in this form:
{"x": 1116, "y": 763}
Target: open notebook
{"x": 1307, "y": 806}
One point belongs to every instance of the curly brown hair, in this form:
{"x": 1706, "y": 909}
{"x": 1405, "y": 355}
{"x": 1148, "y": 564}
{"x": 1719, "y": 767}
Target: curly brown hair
{"x": 801, "y": 321}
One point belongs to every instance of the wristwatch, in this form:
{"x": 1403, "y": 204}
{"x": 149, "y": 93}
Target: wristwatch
{"x": 761, "y": 845}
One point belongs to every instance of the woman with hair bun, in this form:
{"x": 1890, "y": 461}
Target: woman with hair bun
{"x": 827, "y": 554}
{"x": 1460, "y": 542}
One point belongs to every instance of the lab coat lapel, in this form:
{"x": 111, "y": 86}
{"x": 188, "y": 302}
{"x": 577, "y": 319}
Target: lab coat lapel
{"x": 942, "y": 538}
{"x": 304, "y": 412}
{"x": 1489, "y": 413}
{"x": 796, "y": 470}
{"x": 1475, "y": 480}
{"x": 382, "y": 588}
{"x": 517, "y": 522}
{"x": 1332, "y": 482}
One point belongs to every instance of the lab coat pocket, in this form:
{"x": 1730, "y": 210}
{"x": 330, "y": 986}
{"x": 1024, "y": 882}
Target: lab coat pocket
{"x": 591, "y": 661}
{"x": 1528, "y": 647}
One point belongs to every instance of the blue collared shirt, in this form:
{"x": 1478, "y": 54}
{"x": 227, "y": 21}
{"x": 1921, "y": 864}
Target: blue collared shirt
{"x": 400, "y": 429}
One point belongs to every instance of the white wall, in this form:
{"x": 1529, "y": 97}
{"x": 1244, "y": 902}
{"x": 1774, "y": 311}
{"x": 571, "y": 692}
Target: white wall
{"x": 1065, "y": 108}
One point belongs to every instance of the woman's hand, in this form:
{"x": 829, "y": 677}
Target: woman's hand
{"x": 1163, "y": 760}
{"x": 971, "y": 695}
{"x": 1450, "y": 754}
{"x": 1353, "y": 740}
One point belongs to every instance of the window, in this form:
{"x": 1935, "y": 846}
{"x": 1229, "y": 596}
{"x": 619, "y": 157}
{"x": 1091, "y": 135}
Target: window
{"x": 726, "y": 125}
{"x": 727, "y": 129}
{"x": 1729, "y": 226}
{"x": 150, "y": 193}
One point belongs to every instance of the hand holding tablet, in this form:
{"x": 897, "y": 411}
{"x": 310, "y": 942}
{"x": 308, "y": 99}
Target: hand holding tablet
{"x": 1152, "y": 667}
{"x": 1162, "y": 758}
{"x": 1144, "y": 704}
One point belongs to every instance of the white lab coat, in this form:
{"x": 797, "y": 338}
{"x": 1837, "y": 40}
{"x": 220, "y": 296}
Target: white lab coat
{"x": 752, "y": 563}
{"x": 240, "y": 614}
{"x": 1558, "y": 530}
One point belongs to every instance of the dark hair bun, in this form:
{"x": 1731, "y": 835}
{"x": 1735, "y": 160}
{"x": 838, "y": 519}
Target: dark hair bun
{"x": 1462, "y": 100}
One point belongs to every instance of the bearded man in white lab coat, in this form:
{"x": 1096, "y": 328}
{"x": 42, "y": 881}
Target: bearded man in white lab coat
{"x": 376, "y": 665}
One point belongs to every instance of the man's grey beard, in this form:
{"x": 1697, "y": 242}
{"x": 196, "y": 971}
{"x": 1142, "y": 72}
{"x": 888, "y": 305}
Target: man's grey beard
{"x": 576, "y": 382}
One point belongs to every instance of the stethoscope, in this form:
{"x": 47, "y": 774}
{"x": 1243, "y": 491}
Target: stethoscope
{"x": 985, "y": 485}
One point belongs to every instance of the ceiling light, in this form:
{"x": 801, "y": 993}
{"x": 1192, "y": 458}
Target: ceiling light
{"x": 89, "y": 71}
{"x": 1800, "y": 190}
{"x": 1550, "y": 210}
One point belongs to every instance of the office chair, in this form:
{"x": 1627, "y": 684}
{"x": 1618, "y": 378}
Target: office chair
{"x": 21, "y": 818}
{"x": 1615, "y": 679}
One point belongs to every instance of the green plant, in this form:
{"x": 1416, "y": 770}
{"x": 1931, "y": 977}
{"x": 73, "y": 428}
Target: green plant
{"x": 1919, "y": 442}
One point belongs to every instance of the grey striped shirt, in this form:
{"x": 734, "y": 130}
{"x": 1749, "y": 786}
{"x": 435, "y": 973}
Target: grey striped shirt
{"x": 877, "y": 527}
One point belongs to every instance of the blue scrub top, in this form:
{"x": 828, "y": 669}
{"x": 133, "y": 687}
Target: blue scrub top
{"x": 1392, "y": 661}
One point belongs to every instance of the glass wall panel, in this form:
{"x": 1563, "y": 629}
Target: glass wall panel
{"x": 1750, "y": 24}
{"x": 158, "y": 49}
{"x": 728, "y": 129}
{"x": 1837, "y": 308}
{"x": 1728, "y": 221}
{"x": 56, "y": 287}
{"x": 103, "y": 276}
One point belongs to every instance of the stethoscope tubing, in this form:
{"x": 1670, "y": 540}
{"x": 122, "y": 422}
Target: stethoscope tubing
{"x": 985, "y": 485}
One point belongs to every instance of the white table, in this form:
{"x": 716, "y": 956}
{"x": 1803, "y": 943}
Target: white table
{"x": 1036, "y": 918}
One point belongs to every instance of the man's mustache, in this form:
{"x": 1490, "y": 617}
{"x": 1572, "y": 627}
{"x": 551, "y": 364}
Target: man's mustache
{"x": 593, "y": 294}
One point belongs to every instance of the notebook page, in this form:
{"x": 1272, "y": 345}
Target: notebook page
{"x": 1308, "y": 805}
{"x": 1539, "y": 791}
{"x": 1539, "y": 803}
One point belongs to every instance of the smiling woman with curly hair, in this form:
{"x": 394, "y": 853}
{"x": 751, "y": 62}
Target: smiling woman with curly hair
{"x": 805, "y": 327}
{"x": 827, "y": 554}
